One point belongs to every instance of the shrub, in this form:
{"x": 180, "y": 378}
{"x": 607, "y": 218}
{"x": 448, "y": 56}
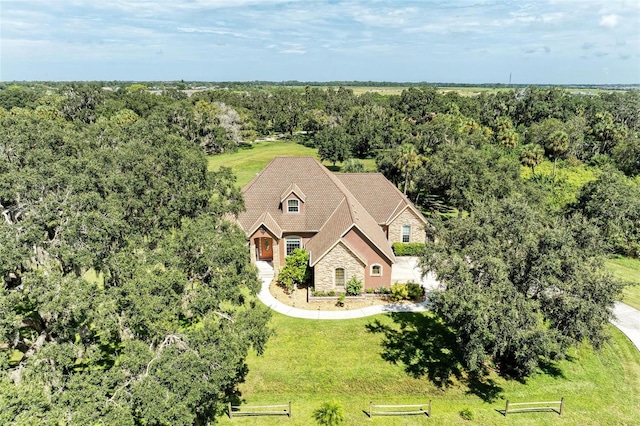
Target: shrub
{"x": 415, "y": 290}
{"x": 332, "y": 293}
{"x": 467, "y": 414}
{"x": 382, "y": 290}
{"x": 296, "y": 270}
{"x": 354, "y": 287}
{"x": 408, "y": 249}
{"x": 340, "y": 301}
{"x": 369, "y": 291}
{"x": 399, "y": 291}
{"x": 329, "y": 414}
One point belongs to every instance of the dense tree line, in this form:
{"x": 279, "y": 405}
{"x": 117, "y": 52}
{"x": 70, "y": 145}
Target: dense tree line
{"x": 126, "y": 296}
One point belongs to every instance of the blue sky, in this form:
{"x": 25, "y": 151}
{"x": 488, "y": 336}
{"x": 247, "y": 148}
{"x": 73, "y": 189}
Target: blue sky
{"x": 475, "y": 41}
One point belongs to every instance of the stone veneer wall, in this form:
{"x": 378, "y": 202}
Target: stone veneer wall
{"x": 276, "y": 256}
{"x": 339, "y": 257}
{"x": 407, "y": 217}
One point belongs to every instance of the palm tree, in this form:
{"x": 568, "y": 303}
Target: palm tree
{"x": 329, "y": 414}
{"x": 557, "y": 144}
{"x": 531, "y": 156}
{"x": 407, "y": 161}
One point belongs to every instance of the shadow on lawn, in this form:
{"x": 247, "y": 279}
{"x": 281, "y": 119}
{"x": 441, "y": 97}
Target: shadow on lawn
{"x": 427, "y": 347}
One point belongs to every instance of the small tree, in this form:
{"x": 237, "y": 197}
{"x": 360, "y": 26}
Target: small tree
{"x": 353, "y": 166}
{"x": 329, "y": 414}
{"x": 296, "y": 270}
{"x": 333, "y": 144}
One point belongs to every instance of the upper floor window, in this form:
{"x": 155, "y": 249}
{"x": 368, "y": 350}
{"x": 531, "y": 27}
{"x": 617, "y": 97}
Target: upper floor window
{"x": 406, "y": 233}
{"x": 293, "y": 206}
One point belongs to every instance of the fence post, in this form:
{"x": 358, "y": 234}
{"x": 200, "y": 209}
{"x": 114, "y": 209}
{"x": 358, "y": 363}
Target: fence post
{"x": 370, "y": 409}
{"x": 289, "y": 413}
{"x": 429, "y": 412}
{"x": 230, "y": 413}
{"x": 506, "y": 408}
{"x": 561, "y": 404}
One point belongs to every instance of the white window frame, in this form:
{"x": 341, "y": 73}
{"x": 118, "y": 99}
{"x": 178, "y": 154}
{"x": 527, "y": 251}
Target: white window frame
{"x": 291, "y": 208}
{"x": 404, "y": 234}
{"x": 288, "y": 240}
{"x": 344, "y": 277}
{"x": 373, "y": 274}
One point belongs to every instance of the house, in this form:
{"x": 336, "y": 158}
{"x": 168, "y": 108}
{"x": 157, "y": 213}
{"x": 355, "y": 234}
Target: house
{"x": 346, "y": 221}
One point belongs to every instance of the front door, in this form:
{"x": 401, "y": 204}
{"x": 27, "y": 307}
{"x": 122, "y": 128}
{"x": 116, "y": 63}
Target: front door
{"x": 266, "y": 248}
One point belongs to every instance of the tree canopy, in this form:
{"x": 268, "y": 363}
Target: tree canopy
{"x": 126, "y": 297}
{"x": 520, "y": 287}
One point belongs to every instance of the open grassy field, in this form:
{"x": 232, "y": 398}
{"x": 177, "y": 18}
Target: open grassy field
{"x": 629, "y": 270}
{"x": 356, "y": 361}
{"x": 248, "y": 161}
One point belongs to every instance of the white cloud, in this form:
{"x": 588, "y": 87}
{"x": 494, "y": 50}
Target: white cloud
{"x": 609, "y": 21}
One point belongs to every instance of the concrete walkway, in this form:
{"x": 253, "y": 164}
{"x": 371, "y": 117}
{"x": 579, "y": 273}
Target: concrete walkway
{"x": 628, "y": 321}
{"x": 627, "y": 318}
{"x": 266, "y": 275}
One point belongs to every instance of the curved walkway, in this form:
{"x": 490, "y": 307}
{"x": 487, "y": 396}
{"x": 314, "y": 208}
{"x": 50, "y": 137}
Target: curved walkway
{"x": 627, "y": 318}
{"x": 266, "y": 275}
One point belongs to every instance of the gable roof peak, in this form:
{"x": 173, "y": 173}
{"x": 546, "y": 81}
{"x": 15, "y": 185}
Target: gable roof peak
{"x": 293, "y": 189}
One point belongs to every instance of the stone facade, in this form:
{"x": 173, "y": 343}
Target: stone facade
{"x": 339, "y": 257}
{"x": 407, "y": 217}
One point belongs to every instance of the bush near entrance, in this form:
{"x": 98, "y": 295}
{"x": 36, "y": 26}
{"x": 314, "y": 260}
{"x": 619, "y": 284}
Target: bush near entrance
{"x": 295, "y": 271}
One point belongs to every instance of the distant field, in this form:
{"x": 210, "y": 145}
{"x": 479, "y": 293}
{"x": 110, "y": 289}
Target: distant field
{"x": 629, "y": 270}
{"x": 311, "y": 362}
{"x": 246, "y": 163}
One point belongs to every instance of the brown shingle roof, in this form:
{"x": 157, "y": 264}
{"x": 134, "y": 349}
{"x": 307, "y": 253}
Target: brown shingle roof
{"x": 378, "y": 195}
{"x": 293, "y": 188}
{"x": 268, "y": 222}
{"x": 263, "y": 194}
{"x": 333, "y": 204}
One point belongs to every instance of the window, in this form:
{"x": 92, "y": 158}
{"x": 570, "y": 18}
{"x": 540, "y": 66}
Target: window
{"x": 406, "y": 233}
{"x": 376, "y": 270}
{"x": 292, "y": 243}
{"x": 293, "y": 206}
{"x": 340, "y": 277}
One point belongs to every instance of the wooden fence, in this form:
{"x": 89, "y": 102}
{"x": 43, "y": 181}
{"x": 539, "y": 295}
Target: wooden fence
{"x": 260, "y": 410}
{"x": 522, "y": 407}
{"x": 399, "y": 410}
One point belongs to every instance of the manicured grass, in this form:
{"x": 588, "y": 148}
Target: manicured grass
{"x": 311, "y": 362}
{"x": 247, "y": 162}
{"x": 627, "y": 269}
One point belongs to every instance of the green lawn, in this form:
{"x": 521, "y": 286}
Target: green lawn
{"x": 248, "y": 161}
{"x": 629, "y": 270}
{"x": 311, "y": 362}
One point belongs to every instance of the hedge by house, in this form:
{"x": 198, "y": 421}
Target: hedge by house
{"x": 408, "y": 249}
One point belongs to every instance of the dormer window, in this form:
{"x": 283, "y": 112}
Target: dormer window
{"x": 292, "y": 199}
{"x": 293, "y": 206}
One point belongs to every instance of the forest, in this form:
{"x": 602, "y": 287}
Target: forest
{"x": 127, "y": 292}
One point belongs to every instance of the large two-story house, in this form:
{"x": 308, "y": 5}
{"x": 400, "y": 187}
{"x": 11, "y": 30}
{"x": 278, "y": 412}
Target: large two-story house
{"x": 346, "y": 221}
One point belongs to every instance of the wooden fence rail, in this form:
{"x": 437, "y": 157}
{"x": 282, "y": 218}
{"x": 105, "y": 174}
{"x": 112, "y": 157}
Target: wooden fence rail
{"x": 514, "y": 407}
{"x": 260, "y": 410}
{"x": 399, "y": 409}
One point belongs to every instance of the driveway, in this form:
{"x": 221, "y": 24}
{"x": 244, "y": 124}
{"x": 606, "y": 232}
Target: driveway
{"x": 407, "y": 269}
{"x": 628, "y": 321}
